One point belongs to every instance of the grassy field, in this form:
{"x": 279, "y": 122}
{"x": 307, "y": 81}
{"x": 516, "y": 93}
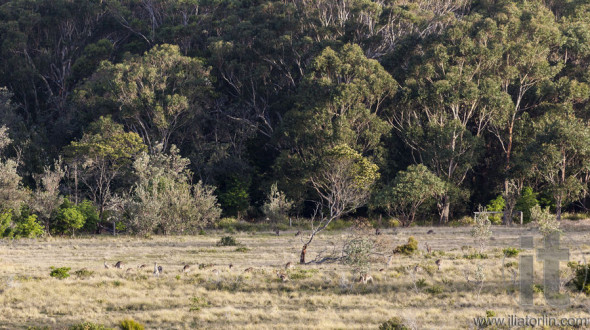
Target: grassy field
{"x": 316, "y": 296}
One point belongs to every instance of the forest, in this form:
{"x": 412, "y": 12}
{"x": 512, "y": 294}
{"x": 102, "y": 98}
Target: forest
{"x": 165, "y": 116}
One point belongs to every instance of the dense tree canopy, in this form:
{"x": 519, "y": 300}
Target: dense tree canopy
{"x": 468, "y": 100}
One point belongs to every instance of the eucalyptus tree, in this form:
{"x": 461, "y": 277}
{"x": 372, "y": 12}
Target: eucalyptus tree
{"x": 449, "y": 98}
{"x": 561, "y": 156}
{"x": 157, "y": 94}
{"x": 103, "y": 154}
{"x": 339, "y": 103}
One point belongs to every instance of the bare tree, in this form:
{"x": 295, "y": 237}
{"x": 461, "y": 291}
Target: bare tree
{"x": 342, "y": 184}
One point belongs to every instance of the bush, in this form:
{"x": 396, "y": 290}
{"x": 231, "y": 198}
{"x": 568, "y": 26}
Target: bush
{"x": 357, "y": 252}
{"x": 394, "y": 323}
{"x": 527, "y": 200}
{"x": 27, "y": 227}
{"x": 89, "y": 326}
{"x": 277, "y": 207}
{"x": 60, "y": 273}
{"x": 90, "y": 214}
{"x": 227, "y": 241}
{"x": 5, "y": 221}
{"x": 510, "y": 252}
{"x": 83, "y": 273}
{"x": 131, "y": 325}
{"x": 496, "y": 205}
{"x": 407, "y": 248}
{"x": 70, "y": 219}
{"x": 546, "y": 221}
{"x": 582, "y": 277}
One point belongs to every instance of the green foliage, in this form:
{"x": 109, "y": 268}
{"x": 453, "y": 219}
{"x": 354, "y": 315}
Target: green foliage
{"x": 546, "y": 221}
{"x": 510, "y": 252}
{"x": 357, "y": 252}
{"x": 538, "y": 288}
{"x": 394, "y": 323}
{"x": 227, "y": 241}
{"x": 242, "y": 249}
{"x": 83, "y": 273}
{"x": 475, "y": 255}
{"x": 582, "y": 278}
{"x": 408, "y": 248}
{"x": 163, "y": 198}
{"x": 5, "y": 222}
{"x": 60, "y": 273}
{"x": 526, "y": 201}
{"x": 234, "y": 196}
{"x": 496, "y": 205}
{"x": 410, "y": 189}
{"x": 130, "y": 324}
{"x": 89, "y": 326}
{"x": 90, "y": 213}
{"x": 197, "y": 303}
{"x": 68, "y": 219}
{"x": 277, "y": 206}
{"x": 27, "y": 226}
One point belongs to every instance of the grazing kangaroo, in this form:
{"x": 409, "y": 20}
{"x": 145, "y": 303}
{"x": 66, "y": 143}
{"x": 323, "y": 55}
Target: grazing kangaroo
{"x": 231, "y": 266}
{"x": 438, "y": 263}
{"x": 249, "y": 269}
{"x": 141, "y": 266}
{"x": 430, "y": 231}
{"x": 365, "y": 278}
{"x": 129, "y": 270}
{"x": 283, "y": 276}
{"x": 106, "y": 266}
{"x": 186, "y": 268}
{"x": 119, "y": 265}
{"x": 377, "y": 231}
{"x": 428, "y": 248}
{"x": 277, "y": 232}
{"x": 289, "y": 265}
{"x": 157, "y": 269}
{"x": 298, "y": 233}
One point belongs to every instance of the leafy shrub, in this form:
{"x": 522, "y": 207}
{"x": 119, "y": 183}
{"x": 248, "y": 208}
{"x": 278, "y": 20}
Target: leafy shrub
{"x": 435, "y": 289}
{"x": 394, "y": 323}
{"x": 131, "y": 325}
{"x": 89, "y": 326}
{"x": 227, "y": 241}
{"x": 407, "y": 248}
{"x": 475, "y": 255}
{"x": 83, "y": 273}
{"x": 27, "y": 226}
{"x": 69, "y": 219}
{"x": 225, "y": 223}
{"x": 546, "y": 221}
{"x": 90, "y": 213}
{"x": 421, "y": 283}
{"x": 60, "y": 273}
{"x": 582, "y": 277}
{"x": 357, "y": 252}
{"x": 496, "y": 205}
{"x": 277, "y": 207}
{"x": 510, "y": 252}
{"x": 527, "y": 200}
{"x": 538, "y": 288}
{"x": 5, "y": 221}
{"x": 490, "y": 314}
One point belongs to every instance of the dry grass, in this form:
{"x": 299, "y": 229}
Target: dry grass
{"x": 317, "y": 295}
